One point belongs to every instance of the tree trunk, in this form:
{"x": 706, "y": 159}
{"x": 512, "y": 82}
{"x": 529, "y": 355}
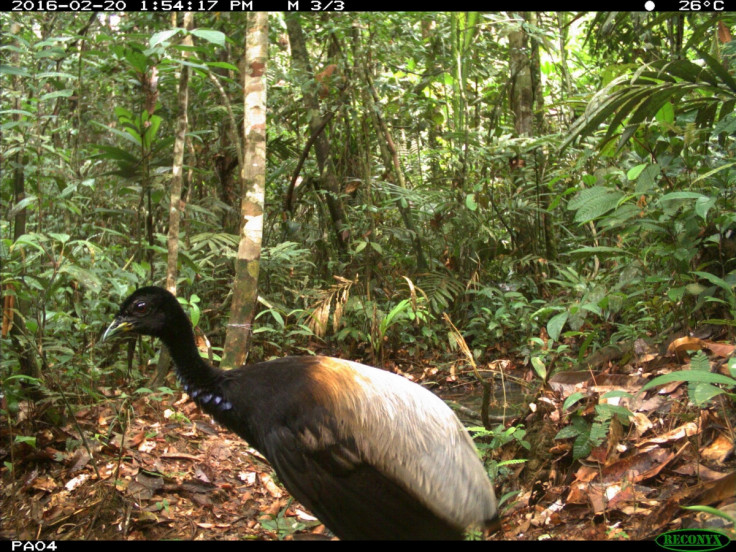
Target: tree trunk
{"x": 15, "y": 313}
{"x": 175, "y": 206}
{"x": 521, "y": 101}
{"x": 391, "y": 158}
{"x": 388, "y": 150}
{"x": 182, "y": 125}
{"x": 521, "y": 93}
{"x": 245, "y": 288}
{"x": 328, "y": 178}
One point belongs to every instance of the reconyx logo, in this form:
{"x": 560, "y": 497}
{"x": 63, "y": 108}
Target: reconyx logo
{"x": 692, "y": 540}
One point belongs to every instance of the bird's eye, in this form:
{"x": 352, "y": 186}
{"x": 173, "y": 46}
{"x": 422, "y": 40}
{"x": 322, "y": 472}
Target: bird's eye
{"x": 141, "y": 307}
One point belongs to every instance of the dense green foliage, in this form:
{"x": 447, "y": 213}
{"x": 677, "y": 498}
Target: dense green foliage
{"x": 613, "y": 220}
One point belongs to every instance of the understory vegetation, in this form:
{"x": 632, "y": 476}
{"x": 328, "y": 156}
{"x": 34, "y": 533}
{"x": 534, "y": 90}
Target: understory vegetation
{"x": 544, "y": 189}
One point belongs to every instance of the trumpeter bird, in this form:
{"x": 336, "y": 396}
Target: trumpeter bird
{"x": 371, "y": 454}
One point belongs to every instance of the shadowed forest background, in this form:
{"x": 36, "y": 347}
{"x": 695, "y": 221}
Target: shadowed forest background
{"x": 532, "y": 214}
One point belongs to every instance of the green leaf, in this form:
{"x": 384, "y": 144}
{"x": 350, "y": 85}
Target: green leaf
{"x": 594, "y": 202}
{"x": 714, "y": 171}
{"x": 22, "y": 377}
{"x": 55, "y": 74}
{"x": 599, "y": 430}
{"x": 585, "y": 195}
{"x": 151, "y": 131}
{"x": 20, "y": 71}
{"x": 690, "y": 375}
{"x": 25, "y": 439}
{"x": 607, "y": 411}
{"x": 647, "y": 179}
{"x": 389, "y": 319}
{"x": 195, "y": 65}
{"x": 704, "y": 392}
{"x": 194, "y": 313}
{"x": 581, "y": 447}
{"x": 116, "y": 154}
{"x": 555, "y": 325}
{"x": 279, "y": 319}
{"x": 666, "y": 113}
{"x": 653, "y": 103}
{"x": 120, "y": 133}
{"x": 223, "y": 65}
{"x": 711, "y": 510}
{"x": 57, "y": 94}
{"x": 700, "y": 361}
{"x": 22, "y": 204}
{"x": 684, "y": 69}
{"x": 572, "y": 399}
{"x": 16, "y": 112}
{"x": 567, "y": 432}
{"x": 680, "y": 195}
{"x": 122, "y": 113}
{"x": 718, "y": 69}
{"x": 616, "y": 394}
{"x": 60, "y": 237}
{"x": 215, "y": 37}
{"x": 592, "y": 307}
{"x": 28, "y": 239}
{"x": 713, "y": 279}
{"x": 676, "y": 293}
{"x": 703, "y": 205}
{"x": 634, "y": 172}
{"x": 470, "y": 202}
{"x": 695, "y": 288}
{"x": 137, "y": 60}
{"x": 599, "y": 250}
{"x": 133, "y": 134}
{"x": 162, "y": 36}
{"x": 539, "y": 367}
{"x": 82, "y": 275}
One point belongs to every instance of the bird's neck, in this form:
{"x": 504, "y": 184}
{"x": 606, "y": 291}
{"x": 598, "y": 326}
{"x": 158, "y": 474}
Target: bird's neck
{"x": 193, "y": 372}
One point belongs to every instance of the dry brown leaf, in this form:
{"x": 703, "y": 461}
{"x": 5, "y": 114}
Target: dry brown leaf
{"x": 720, "y": 449}
{"x": 351, "y": 186}
{"x": 596, "y": 495}
{"x": 76, "y": 481}
{"x": 724, "y": 35}
{"x": 273, "y": 489}
{"x": 586, "y": 473}
{"x": 686, "y": 430}
{"x": 700, "y": 471}
{"x": 566, "y": 383}
{"x": 181, "y": 456}
{"x": 714, "y": 492}
{"x": 641, "y": 423}
{"x": 136, "y": 439}
{"x": 620, "y": 496}
{"x": 681, "y": 345}
{"x": 604, "y": 383}
{"x": 638, "y": 467}
{"x": 723, "y": 350}
{"x": 44, "y": 483}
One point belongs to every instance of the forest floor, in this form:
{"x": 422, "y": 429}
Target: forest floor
{"x": 153, "y": 467}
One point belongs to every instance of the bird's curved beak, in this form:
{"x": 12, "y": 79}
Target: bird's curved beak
{"x": 119, "y": 325}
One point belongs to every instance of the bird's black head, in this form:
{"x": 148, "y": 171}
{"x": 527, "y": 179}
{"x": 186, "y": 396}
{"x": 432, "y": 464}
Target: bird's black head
{"x": 149, "y": 311}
